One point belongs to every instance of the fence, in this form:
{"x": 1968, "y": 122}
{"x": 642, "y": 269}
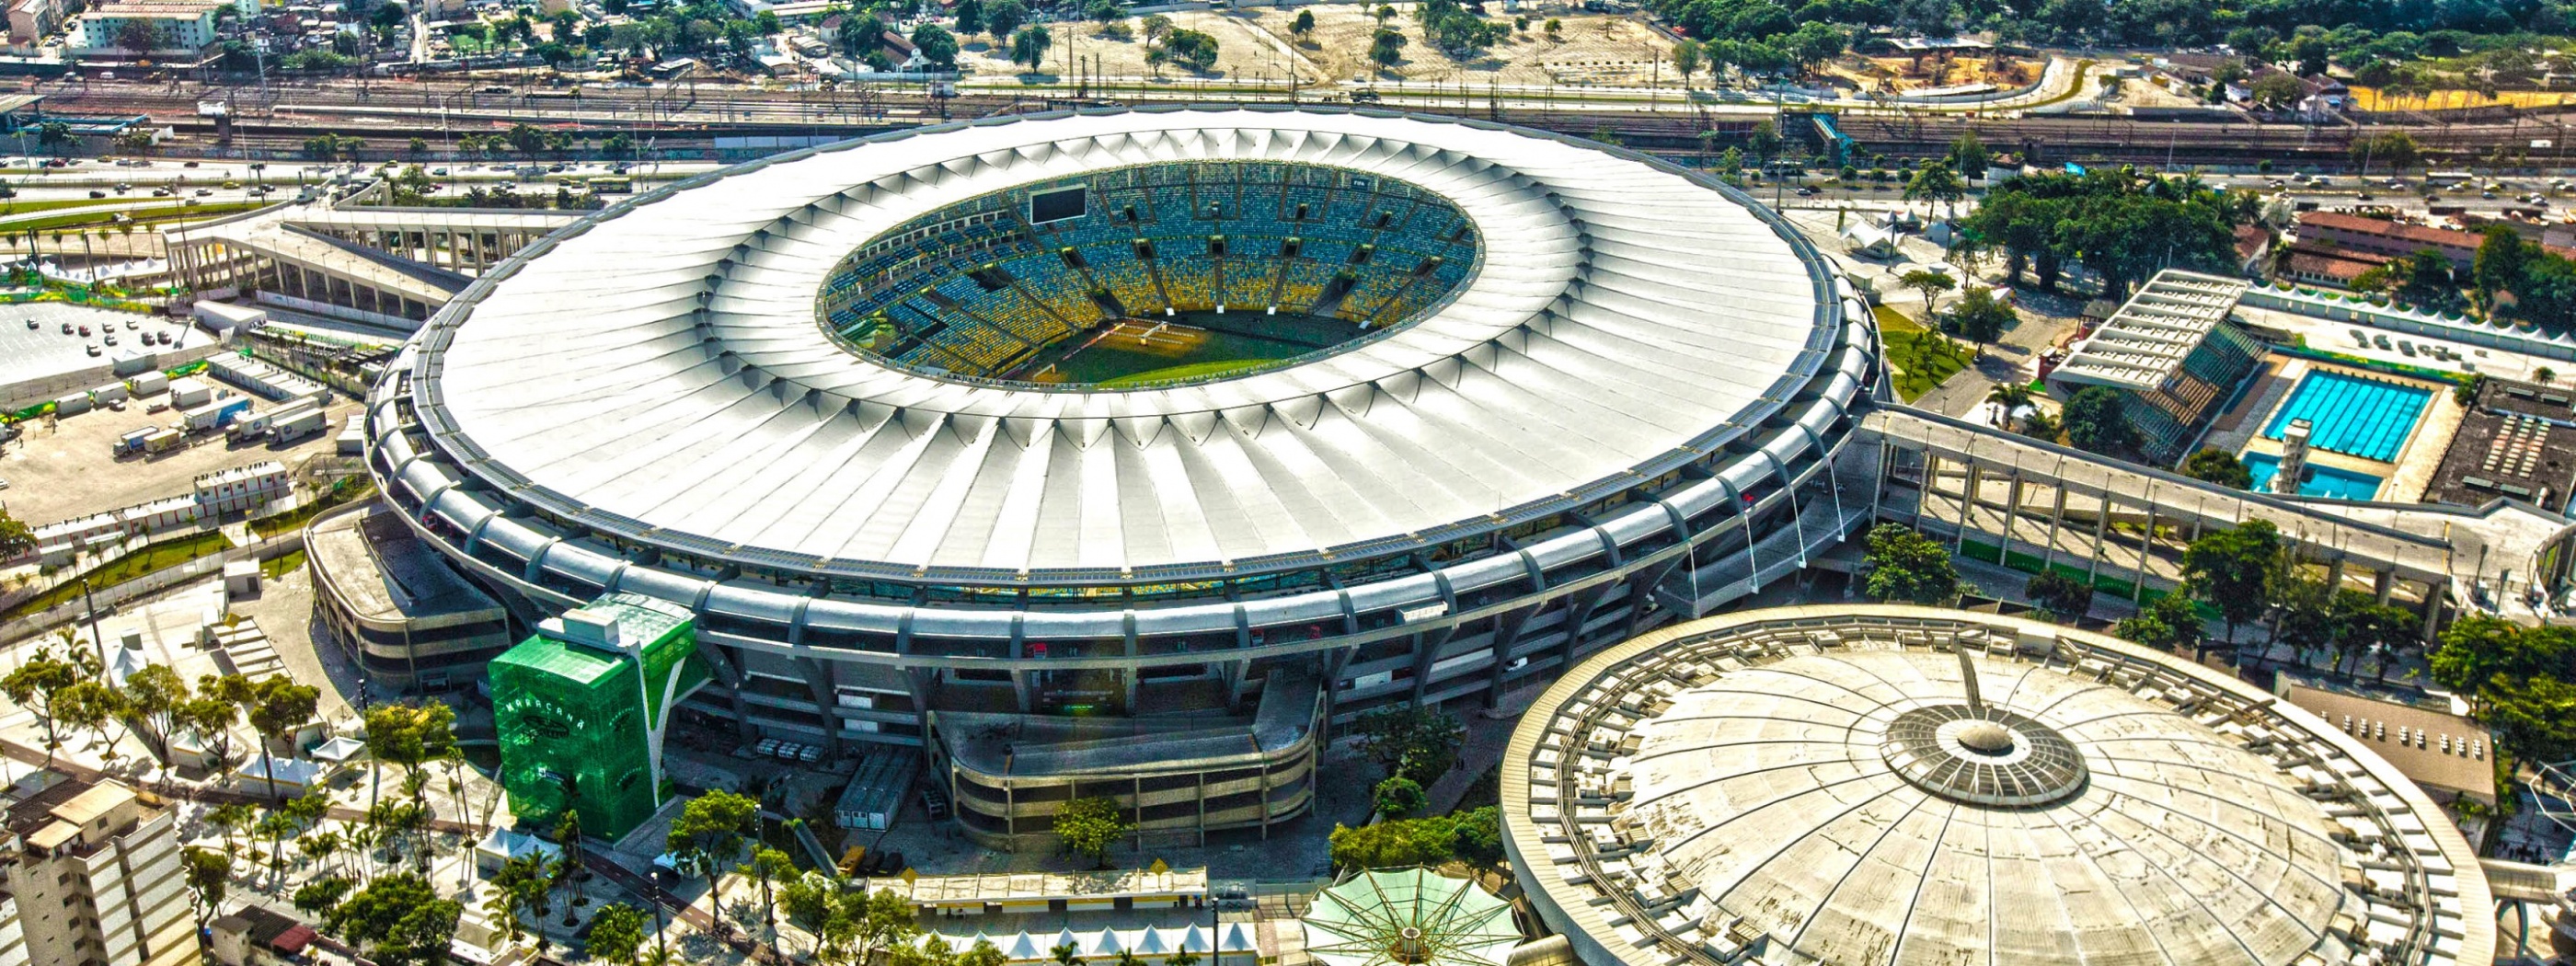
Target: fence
{"x": 106, "y": 598}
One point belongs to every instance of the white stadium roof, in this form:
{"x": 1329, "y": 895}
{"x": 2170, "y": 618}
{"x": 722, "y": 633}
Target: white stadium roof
{"x": 1623, "y": 319}
{"x": 1874, "y": 784}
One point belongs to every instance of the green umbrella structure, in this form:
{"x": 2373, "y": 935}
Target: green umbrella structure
{"x": 1409, "y": 917}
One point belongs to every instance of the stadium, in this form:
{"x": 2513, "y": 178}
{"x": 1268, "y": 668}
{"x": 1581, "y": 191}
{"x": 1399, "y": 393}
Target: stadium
{"x": 1125, "y": 452}
{"x": 1875, "y": 784}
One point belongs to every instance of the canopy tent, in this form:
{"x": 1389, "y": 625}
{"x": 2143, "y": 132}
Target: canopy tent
{"x": 1409, "y": 916}
{"x": 1151, "y": 943}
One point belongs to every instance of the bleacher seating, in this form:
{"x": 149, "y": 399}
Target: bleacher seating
{"x": 977, "y": 330}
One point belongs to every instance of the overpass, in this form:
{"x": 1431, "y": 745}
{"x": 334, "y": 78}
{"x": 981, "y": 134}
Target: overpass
{"x": 2032, "y": 505}
{"x": 388, "y": 266}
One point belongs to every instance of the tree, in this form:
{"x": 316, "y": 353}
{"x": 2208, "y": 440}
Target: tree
{"x": 1905, "y": 567}
{"x": 408, "y": 735}
{"x": 1030, "y": 46}
{"x": 1105, "y": 11}
{"x": 1410, "y": 740}
{"x": 2218, "y": 466}
{"x": 2094, "y": 423}
{"x": 1934, "y": 180}
{"x": 2363, "y": 625}
{"x": 2516, "y": 680}
{"x": 2276, "y": 91}
{"x": 1386, "y": 47}
{"x": 617, "y": 933}
{"x": 139, "y": 35}
{"x": 521, "y": 887}
{"x": 35, "y": 686}
{"x": 2397, "y": 149}
{"x": 970, "y": 16}
{"x": 2167, "y": 623}
{"x": 399, "y": 920}
{"x": 1979, "y": 317}
{"x": 1303, "y": 26}
{"x": 1930, "y": 284}
{"x": 1399, "y": 797}
{"x": 211, "y": 719}
{"x": 1065, "y": 954}
{"x": 708, "y": 835}
{"x": 92, "y": 706}
{"x": 319, "y": 897}
{"x": 936, "y": 45}
{"x": 984, "y": 953}
{"x": 209, "y": 874}
{"x": 1003, "y": 17}
{"x": 1194, "y": 49}
{"x": 2232, "y": 570}
{"x": 1686, "y": 60}
{"x": 2062, "y": 597}
{"x": 768, "y": 866}
{"x": 1969, "y": 156}
{"x": 1090, "y": 826}
{"x": 280, "y": 709}
{"x": 1555, "y": 30}
{"x": 16, "y": 539}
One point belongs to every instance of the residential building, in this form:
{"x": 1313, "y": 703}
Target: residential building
{"x": 31, "y": 21}
{"x": 242, "y": 488}
{"x": 2384, "y": 238}
{"x": 95, "y": 870}
{"x": 182, "y": 27}
{"x": 258, "y": 937}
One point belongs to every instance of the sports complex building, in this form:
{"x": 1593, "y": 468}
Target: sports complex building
{"x": 1123, "y": 453}
{"x": 1872, "y": 784}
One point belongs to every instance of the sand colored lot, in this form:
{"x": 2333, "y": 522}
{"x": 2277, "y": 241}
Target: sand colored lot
{"x": 2370, "y": 99}
{"x": 1256, "y": 47}
{"x": 1595, "y": 49}
{"x": 1244, "y": 53}
{"x": 1907, "y": 74}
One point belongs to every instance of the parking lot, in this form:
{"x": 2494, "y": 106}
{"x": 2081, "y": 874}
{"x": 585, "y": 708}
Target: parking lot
{"x": 46, "y": 350}
{"x": 65, "y": 469}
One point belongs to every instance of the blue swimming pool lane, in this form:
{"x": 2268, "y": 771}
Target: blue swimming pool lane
{"x": 2325, "y": 481}
{"x": 2351, "y": 414}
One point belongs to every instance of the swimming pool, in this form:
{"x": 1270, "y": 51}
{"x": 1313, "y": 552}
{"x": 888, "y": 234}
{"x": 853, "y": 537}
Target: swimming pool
{"x": 2325, "y": 481}
{"x": 2352, "y": 414}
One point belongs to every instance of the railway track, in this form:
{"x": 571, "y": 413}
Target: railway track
{"x": 385, "y": 116}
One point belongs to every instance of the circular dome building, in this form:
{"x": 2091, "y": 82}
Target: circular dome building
{"x": 1118, "y": 449}
{"x": 1901, "y": 785}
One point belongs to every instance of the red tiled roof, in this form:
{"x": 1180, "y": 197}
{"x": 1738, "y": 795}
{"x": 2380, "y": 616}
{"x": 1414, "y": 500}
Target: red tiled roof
{"x": 2332, "y": 263}
{"x": 2250, "y": 240}
{"x": 2439, "y": 237}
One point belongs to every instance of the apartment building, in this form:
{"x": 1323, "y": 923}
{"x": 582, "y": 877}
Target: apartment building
{"x": 94, "y": 868}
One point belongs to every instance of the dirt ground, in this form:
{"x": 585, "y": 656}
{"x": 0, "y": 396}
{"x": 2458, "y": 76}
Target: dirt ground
{"x": 1244, "y": 53}
{"x": 1908, "y": 74}
{"x": 1595, "y": 49}
{"x": 65, "y": 470}
{"x": 1255, "y": 46}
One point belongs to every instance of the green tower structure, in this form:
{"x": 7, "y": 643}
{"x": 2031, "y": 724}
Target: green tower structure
{"x": 582, "y": 706}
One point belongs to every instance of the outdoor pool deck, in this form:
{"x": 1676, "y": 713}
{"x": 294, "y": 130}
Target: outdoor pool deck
{"x": 2352, "y": 414}
{"x": 2327, "y": 394}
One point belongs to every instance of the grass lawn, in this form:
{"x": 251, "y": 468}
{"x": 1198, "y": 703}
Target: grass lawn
{"x": 1194, "y": 370}
{"x": 159, "y": 556}
{"x": 73, "y": 222}
{"x": 1923, "y": 359}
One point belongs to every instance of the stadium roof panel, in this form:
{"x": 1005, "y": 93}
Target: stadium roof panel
{"x": 2140, "y": 346}
{"x": 663, "y": 363}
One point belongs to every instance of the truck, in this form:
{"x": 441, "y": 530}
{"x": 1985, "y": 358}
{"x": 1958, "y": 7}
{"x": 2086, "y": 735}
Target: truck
{"x": 299, "y": 424}
{"x": 247, "y": 426}
{"x": 132, "y": 441}
{"x": 212, "y": 415}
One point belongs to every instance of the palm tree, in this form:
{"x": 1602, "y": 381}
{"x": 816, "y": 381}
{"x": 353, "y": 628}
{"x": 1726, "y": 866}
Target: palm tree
{"x": 2009, "y": 396}
{"x": 1066, "y": 955}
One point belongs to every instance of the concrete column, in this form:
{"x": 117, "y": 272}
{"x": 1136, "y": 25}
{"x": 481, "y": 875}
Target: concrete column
{"x": 1967, "y": 505}
{"x": 2385, "y": 582}
{"x": 2101, "y": 536}
{"x": 1923, "y": 494}
{"x": 2146, "y": 548}
{"x": 2056, "y": 518}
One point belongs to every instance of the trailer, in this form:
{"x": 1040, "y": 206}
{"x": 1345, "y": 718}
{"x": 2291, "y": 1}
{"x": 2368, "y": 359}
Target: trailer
{"x": 295, "y": 426}
{"x": 148, "y": 384}
{"x": 188, "y": 391}
{"x": 132, "y": 441}
{"x": 213, "y": 414}
{"x": 248, "y": 425}
{"x": 163, "y": 440}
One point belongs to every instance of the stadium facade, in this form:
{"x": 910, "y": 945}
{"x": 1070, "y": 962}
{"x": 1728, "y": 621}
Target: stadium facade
{"x": 1125, "y": 453}
{"x": 1879, "y": 784}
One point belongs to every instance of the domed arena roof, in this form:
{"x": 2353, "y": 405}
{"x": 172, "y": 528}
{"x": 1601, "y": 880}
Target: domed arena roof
{"x": 1886, "y": 785}
{"x": 1409, "y": 917}
{"x": 756, "y": 364}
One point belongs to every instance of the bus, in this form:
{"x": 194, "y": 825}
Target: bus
{"x": 556, "y": 94}
{"x": 612, "y": 184}
{"x": 2448, "y": 177}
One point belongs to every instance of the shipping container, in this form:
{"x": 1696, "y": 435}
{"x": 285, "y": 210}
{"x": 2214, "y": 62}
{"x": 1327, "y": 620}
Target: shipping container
{"x": 214, "y": 414}
{"x": 299, "y": 425}
{"x": 148, "y": 383}
{"x": 186, "y": 392}
{"x": 162, "y": 440}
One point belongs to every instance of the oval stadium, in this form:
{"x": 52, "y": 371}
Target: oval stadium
{"x": 1876, "y": 784}
{"x": 1125, "y": 452}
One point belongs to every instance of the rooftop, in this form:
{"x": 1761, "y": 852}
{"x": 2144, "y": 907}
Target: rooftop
{"x": 2517, "y": 441}
{"x": 2439, "y": 750}
{"x": 1899, "y": 786}
{"x": 2142, "y": 344}
{"x": 382, "y": 572}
